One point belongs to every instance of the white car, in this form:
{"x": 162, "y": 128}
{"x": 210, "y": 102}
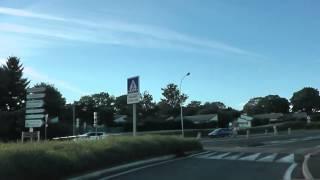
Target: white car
{"x": 93, "y": 136}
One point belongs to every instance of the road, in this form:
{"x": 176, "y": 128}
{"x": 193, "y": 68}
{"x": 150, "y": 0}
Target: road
{"x": 261, "y": 157}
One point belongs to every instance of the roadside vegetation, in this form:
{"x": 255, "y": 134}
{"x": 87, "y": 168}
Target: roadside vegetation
{"x": 56, "y": 160}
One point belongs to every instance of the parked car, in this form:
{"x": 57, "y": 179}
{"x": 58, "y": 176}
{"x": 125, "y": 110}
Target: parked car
{"x": 93, "y": 135}
{"x": 221, "y": 132}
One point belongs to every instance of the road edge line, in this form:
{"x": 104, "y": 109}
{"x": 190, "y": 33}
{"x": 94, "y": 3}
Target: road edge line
{"x": 305, "y": 168}
{"x": 288, "y": 174}
{"x": 151, "y": 161}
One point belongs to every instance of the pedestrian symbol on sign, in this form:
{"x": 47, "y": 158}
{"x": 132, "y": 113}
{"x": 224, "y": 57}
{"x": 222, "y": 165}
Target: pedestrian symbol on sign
{"x": 133, "y": 87}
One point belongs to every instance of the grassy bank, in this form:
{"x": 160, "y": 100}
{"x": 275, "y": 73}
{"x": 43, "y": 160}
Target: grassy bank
{"x": 54, "y": 160}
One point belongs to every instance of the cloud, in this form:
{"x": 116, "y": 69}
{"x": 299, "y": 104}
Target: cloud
{"x": 37, "y": 76}
{"x": 2, "y": 61}
{"x": 23, "y": 13}
{"x": 118, "y": 33}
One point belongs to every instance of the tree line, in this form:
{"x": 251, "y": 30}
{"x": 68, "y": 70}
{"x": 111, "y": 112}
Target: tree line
{"x": 152, "y": 115}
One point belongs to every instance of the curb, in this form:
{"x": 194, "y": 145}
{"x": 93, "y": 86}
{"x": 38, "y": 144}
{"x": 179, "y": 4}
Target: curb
{"x": 305, "y": 169}
{"x": 104, "y": 172}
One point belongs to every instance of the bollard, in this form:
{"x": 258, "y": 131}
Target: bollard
{"x": 248, "y": 134}
{"x": 266, "y": 132}
{"x": 275, "y": 130}
{"x": 289, "y": 131}
{"x": 199, "y": 135}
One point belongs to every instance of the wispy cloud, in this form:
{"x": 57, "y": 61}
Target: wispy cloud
{"x": 37, "y": 76}
{"x": 117, "y": 32}
{"x": 2, "y": 61}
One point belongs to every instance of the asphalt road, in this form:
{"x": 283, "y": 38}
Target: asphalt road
{"x": 260, "y": 157}
{"x": 206, "y": 169}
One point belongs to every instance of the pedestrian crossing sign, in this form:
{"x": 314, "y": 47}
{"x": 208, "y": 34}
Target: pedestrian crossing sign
{"x": 133, "y": 88}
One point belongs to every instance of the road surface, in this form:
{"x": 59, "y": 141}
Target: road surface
{"x": 261, "y": 157}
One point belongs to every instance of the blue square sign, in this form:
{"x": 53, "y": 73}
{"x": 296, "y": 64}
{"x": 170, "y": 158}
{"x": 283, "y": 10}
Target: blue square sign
{"x": 133, "y": 88}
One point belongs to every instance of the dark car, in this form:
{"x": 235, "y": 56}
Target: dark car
{"x": 221, "y": 132}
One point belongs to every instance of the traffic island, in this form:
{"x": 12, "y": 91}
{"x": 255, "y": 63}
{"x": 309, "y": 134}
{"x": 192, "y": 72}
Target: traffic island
{"x": 56, "y": 160}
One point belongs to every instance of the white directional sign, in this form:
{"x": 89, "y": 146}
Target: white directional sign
{"x": 34, "y": 111}
{"x": 35, "y": 116}
{"x": 36, "y": 96}
{"x": 35, "y": 104}
{"x": 33, "y": 123}
{"x": 133, "y": 87}
{"x": 36, "y": 90}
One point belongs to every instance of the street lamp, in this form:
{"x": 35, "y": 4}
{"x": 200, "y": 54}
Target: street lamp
{"x": 181, "y": 104}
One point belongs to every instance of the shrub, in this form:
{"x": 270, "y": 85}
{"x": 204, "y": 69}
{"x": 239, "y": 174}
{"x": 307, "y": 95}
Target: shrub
{"x": 55, "y": 160}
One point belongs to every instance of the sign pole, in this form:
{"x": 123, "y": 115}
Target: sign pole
{"x": 134, "y": 119}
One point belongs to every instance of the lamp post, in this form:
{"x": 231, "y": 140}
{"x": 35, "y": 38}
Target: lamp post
{"x": 181, "y": 104}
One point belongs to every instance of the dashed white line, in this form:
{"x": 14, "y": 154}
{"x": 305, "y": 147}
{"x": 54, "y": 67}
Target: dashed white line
{"x": 251, "y": 157}
{"x": 269, "y": 158}
{"x": 287, "y": 159}
{"x": 220, "y": 156}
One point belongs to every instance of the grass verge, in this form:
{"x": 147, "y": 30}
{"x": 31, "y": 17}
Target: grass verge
{"x": 56, "y": 160}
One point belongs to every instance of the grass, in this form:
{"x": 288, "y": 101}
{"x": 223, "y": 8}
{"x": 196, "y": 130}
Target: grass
{"x": 56, "y": 160}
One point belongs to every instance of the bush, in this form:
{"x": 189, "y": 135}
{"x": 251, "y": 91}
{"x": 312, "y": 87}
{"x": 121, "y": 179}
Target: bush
{"x": 259, "y": 122}
{"x": 56, "y": 160}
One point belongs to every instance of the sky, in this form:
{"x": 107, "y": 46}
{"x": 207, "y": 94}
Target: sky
{"x": 235, "y": 50}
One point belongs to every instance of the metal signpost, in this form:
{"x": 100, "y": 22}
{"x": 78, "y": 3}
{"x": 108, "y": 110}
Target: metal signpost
{"x": 35, "y": 113}
{"x": 95, "y": 121}
{"x": 133, "y": 97}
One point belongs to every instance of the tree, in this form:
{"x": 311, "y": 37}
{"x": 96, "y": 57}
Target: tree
{"x": 225, "y": 116}
{"x": 172, "y": 96}
{"x": 54, "y": 102}
{"x": 122, "y": 107}
{"x": 274, "y": 104}
{"x": 306, "y": 100}
{"x": 253, "y": 106}
{"x": 147, "y": 107}
{"x": 267, "y": 104}
{"x": 16, "y": 84}
{"x": 192, "y": 108}
{"x": 4, "y": 81}
{"x": 172, "y": 99}
{"x": 102, "y": 103}
{"x": 211, "y": 108}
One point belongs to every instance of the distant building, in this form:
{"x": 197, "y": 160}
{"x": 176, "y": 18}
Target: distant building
{"x": 272, "y": 117}
{"x": 244, "y": 121}
{"x": 119, "y": 119}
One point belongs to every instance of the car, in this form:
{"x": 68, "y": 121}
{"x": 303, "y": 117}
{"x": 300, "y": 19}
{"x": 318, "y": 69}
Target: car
{"x": 93, "y": 136}
{"x": 221, "y": 132}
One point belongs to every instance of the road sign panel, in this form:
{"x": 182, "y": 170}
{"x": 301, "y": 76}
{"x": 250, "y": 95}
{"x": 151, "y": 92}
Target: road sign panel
{"x": 35, "y": 116}
{"x": 133, "y": 88}
{"x": 34, "y": 111}
{"x": 33, "y": 123}
{"x": 36, "y": 90}
{"x": 35, "y": 104}
{"x": 36, "y": 96}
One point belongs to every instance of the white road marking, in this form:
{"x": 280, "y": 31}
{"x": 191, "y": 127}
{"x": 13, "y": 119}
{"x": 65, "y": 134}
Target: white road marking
{"x": 220, "y": 156}
{"x": 269, "y": 158}
{"x": 234, "y": 157}
{"x": 288, "y": 174}
{"x": 287, "y": 159}
{"x": 251, "y": 157}
{"x": 207, "y": 155}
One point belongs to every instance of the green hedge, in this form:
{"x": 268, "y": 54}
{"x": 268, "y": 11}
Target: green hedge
{"x": 55, "y": 160}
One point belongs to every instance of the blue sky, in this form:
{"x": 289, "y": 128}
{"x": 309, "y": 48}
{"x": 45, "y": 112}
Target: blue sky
{"x": 234, "y": 49}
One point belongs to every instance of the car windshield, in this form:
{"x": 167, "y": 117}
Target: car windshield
{"x": 160, "y": 89}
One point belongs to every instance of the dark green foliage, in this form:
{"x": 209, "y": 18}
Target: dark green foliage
{"x": 54, "y": 102}
{"x": 56, "y": 160}
{"x": 306, "y": 100}
{"x": 268, "y": 104}
{"x": 13, "y": 89}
